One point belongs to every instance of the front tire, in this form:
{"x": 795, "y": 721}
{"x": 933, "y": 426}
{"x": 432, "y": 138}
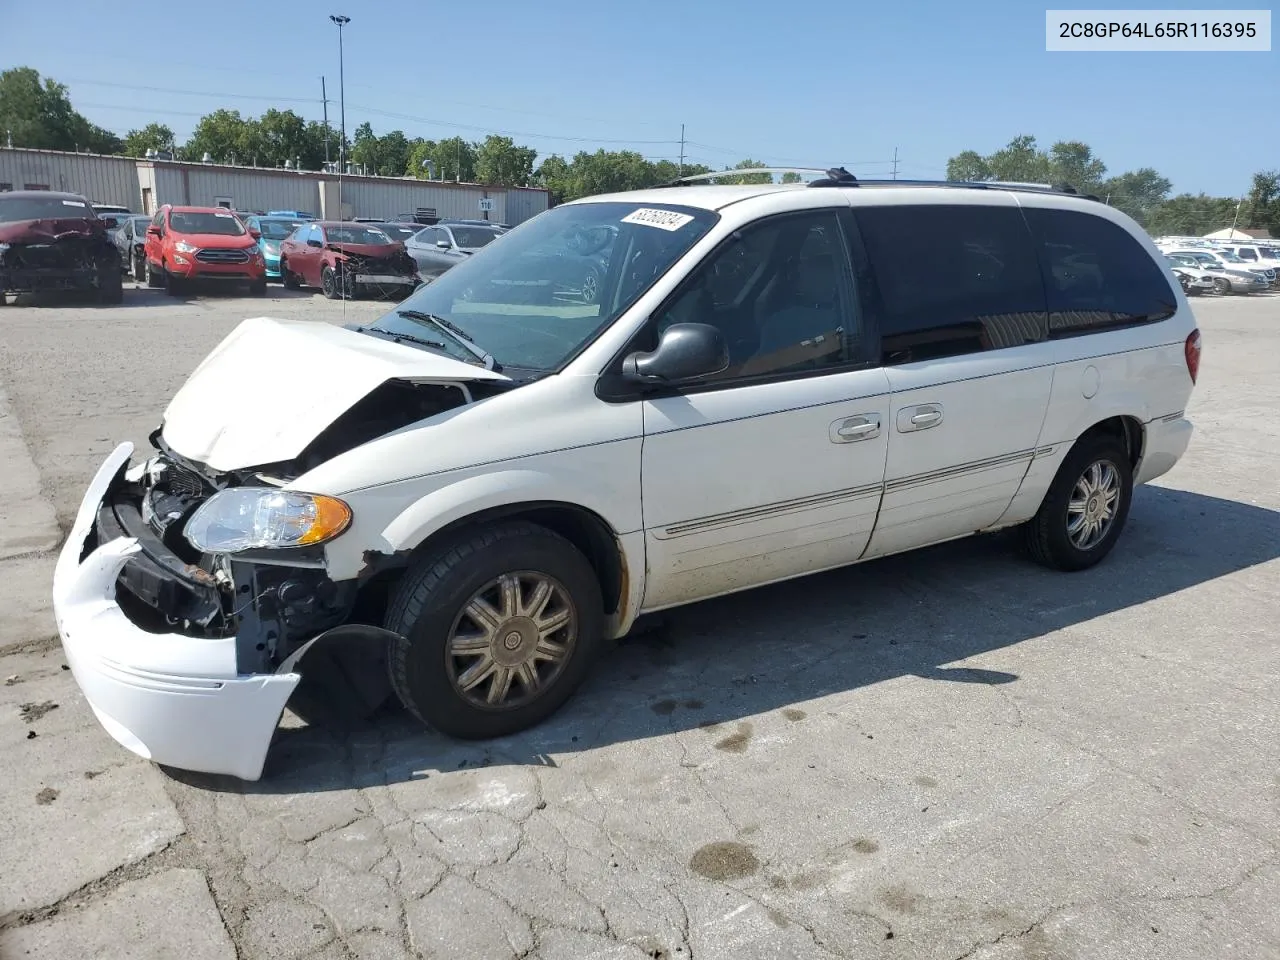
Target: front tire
{"x": 155, "y": 278}
{"x": 140, "y": 269}
{"x": 1086, "y": 507}
{"x": 1221, "y": 286}
{"x": 173, "y": 285}
{"x": 329, "y": 284}
{"x": 496, "y": 630}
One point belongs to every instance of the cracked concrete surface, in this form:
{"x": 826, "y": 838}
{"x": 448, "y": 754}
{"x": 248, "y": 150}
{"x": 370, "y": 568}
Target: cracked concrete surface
{"x": 946, "y": 755}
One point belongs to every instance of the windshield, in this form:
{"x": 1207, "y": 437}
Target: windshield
{"x": 277, "y": 229}
{"x": 355, "y": 234}
{"x": 399, "y": 231}
{"x": 1230, "y": 258}
{"x": 220, "y": 224}
{"x": 13, "y": 209}
{"x": 533, "y": 300}
{"x": 471, "y": 237}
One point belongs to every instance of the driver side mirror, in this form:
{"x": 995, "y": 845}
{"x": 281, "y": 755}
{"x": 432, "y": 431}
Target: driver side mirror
{"x": 154, "y": 231}
{"x": 256, "y": 234}
{"x": 686, "y": 352}
{"x": 314, "y": 243}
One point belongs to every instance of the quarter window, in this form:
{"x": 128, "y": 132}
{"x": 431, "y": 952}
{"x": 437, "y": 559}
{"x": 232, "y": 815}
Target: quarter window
{"x": 781, "y": 293}
{"x": 952, "y": 279}
{"x": 1095, "y": 274}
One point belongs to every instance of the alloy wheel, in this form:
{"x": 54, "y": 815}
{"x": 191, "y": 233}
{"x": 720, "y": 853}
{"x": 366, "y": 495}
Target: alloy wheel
{"x": 1092, "y": 507}
{"x": 511, "y": 640}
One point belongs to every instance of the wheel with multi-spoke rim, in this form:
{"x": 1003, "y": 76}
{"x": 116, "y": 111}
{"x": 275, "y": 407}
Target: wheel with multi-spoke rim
{"x": 496, "y": 630}
{"x": 1086, "y": 507}
{"x": 1221, "y": 286}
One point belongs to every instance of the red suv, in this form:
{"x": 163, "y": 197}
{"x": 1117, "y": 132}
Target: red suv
{"x": 185, "y": 244}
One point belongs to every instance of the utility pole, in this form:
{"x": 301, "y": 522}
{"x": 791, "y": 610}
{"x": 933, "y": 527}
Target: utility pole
{"x": 1236, "y": 218}
{"x": 341, "y": 21}
{"x": 682, "y": 149}
{"x": 324, "y": 98}
{"x": 895, "y": 163}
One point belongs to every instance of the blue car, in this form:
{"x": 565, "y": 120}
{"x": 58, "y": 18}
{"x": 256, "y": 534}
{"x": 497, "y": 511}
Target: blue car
{"x": 291, "y": 214}
{"x": 272, "y": 230}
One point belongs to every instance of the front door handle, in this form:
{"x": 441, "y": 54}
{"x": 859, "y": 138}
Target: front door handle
{"x": 850, "y": 430}
{"x": 920, "y": 417}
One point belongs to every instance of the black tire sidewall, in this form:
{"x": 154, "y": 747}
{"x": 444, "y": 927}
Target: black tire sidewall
{"x": 418, "y": 661}
{"x": 1053, "y": 512}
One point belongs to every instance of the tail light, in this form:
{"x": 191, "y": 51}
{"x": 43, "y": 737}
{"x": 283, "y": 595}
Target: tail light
{"x": 1192, "y": 351}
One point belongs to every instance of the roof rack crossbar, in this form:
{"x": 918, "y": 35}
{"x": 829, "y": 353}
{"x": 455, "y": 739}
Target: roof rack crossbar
{"x": 717, "y": 174}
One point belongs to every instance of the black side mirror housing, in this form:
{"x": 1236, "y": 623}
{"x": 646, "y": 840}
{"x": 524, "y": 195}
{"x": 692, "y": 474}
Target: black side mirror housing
{"x": 686, "y": 353}
{"x": 314, "y": 243}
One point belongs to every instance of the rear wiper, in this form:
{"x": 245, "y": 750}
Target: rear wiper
{"x": 457, "y": 333}
{"x": 421, "y": 341}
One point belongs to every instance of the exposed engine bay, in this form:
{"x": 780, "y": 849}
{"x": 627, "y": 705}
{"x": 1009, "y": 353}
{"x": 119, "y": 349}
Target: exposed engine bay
{"x": 352, "y": 267}
{"x": 272, "y": 600}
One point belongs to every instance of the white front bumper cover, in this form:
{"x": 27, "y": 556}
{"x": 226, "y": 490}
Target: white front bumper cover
{"x": 170, "y": 698}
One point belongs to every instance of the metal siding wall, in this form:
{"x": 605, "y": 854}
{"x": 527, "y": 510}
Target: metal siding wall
{"x": 98, "y": 179}
{"x": 524, "y": 205}
{"x": 388, "y": 198}
{"x": 254, "y": 190}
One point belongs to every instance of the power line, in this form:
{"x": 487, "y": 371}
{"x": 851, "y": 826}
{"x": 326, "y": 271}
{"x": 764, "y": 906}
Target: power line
{"x": 196, "y": 93}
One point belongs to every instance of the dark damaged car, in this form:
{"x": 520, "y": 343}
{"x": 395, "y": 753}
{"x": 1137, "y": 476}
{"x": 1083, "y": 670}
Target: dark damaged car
{"x": 55, "y": 241}
{"x": 345, "y": 259}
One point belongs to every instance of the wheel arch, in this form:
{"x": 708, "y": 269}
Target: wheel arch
{"x": 457, "y": 509}
{"x": 1128, "y": 429}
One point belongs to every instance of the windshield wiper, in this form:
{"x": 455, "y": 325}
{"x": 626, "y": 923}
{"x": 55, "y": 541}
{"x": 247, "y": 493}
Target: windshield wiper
{"x": 463, "y": 339}
{"x": 421, "y": 341}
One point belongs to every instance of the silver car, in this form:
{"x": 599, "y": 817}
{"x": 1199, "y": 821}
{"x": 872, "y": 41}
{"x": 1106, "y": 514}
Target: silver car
{"x": 130, "y": 236}
{"x": 436, "y": 249}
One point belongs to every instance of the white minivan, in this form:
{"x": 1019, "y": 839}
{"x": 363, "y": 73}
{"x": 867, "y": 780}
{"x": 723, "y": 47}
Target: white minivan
{"x": 459, "y": 503}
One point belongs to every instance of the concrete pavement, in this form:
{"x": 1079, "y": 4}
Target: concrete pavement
{"x": 949, "y": 754}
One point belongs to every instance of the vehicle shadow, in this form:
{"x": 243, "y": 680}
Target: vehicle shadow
{"x": 726, "y": 659}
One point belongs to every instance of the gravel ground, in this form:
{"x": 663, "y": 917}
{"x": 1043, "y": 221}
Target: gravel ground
{"x": 948, "y": 754}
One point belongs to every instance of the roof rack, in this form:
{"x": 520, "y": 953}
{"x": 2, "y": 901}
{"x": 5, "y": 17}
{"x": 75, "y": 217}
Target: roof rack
{"x": 840, "y": 177}
{"x": 717, "y": 174}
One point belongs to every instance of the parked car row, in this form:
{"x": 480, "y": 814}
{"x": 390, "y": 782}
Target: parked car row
{"x": 1208, "y": 266}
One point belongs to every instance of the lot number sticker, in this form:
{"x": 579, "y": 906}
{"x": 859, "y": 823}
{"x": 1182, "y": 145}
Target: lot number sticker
{"x": 662, "y": 219}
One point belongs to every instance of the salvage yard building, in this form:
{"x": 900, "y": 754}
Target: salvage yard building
{"x": 146, "y": 185}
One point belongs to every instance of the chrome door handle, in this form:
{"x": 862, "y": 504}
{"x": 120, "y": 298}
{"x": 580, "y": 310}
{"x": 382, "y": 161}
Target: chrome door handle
{"x": 852, "y": 429}
{"x": 920, "y": 417}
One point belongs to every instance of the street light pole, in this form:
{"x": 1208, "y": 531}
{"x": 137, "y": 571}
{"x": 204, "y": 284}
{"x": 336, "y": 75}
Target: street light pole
{"x": 341, "y": 21}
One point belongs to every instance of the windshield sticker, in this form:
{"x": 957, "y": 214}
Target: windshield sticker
{"x": 662, "y": 219}
{"x": 224, "y": 216}
{"x": 72, "y": 203}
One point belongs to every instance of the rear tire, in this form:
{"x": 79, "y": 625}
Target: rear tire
{"x": 1086, "y": 507}
{"x": 1221, "y": 286}
{"x": 521, "y": 667}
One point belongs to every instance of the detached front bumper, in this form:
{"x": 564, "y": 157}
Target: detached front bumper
{"x": 173, "y": 699}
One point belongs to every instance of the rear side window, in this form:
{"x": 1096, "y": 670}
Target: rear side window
{"x": 952, "y": 279}
{"x": 1096, "y": 276}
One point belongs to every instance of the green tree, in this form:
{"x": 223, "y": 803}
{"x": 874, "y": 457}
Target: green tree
{"x": 555, "y": 175}
{"x": 1073, "y": 162}
{"x": 1193, "y": 215}
{"x": 968, "y": 165}
{"x": 224, "y": 135}
{"x": 421, "y": 153}
{"x": 791, "y": 177}
{"x": 500, "y": 161}
{"x": 365, "y": 147}
{"x": 455, "y": 159}
{"x": 1264, "y": 202}
{"x": 1138, "y": 193}
{"x": 393, "y": 154}
{"x": 39, "y": 114}
{"x": 154, "y": 136}
{"x": 1019, "y": 161}
{"x": 280, "y": 135}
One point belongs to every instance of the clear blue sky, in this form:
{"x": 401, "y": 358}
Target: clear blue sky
{"x": 810, "y": 84}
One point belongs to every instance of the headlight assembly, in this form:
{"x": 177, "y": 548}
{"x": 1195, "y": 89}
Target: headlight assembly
{"x": 183, "y": 247}
{"x": 252, "y": 518}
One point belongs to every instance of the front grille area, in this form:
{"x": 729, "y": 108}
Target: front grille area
{"x": 223, "y": 256}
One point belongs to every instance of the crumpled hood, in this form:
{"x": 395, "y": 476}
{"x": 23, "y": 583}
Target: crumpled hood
{"x": 50, "y": 230}
{"x": 270, "y": 388}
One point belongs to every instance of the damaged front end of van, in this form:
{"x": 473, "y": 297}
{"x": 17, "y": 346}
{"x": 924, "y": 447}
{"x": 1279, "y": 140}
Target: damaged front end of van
{"x": 204, "y": 586}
